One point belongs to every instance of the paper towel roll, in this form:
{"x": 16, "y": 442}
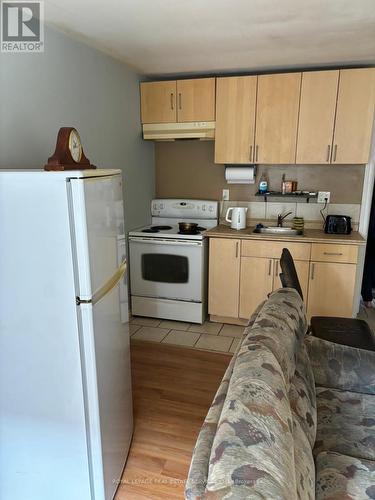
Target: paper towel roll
{"x": 240, "y": 175}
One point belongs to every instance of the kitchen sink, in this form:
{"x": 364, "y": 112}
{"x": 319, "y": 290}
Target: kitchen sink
{"x": 281, "y": 231}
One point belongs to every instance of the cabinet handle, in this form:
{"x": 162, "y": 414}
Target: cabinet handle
{"x": 335, "y": 152}
{"x": 333, "y": 253}
{"x": 312, "y": 271}
{"x": 256, "y": 152}
{"x": 237, "y": 246}
{"x": 172, "y": 104}
{"x": 179, "y": 101}
{"x": 269, "y": 267}
{"x": 251, "y": 153}
{"x": 328, "y": 152}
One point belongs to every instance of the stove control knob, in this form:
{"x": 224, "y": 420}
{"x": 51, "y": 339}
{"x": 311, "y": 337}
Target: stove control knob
{"x": 161, "y": 206}
{"x": 204, "y": 208}
{"x": 211, "y": 209}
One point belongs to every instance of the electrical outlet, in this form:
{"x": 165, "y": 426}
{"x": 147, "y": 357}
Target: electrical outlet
{"x": 324, "y": 196}
{"x": 225, "y": 194}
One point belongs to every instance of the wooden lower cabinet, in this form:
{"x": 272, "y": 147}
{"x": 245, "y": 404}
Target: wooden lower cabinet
{"x": 256, "y": 282}
{"x": 302, "y": 268}
{"x": 224, "y": 277}
{"x": 243, "y": 273}
{"x": 331, "y": 289}
{"x": 260, "y": 276}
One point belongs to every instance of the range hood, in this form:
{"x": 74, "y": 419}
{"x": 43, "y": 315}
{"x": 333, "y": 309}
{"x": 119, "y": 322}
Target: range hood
{"x": 175, "y": 131}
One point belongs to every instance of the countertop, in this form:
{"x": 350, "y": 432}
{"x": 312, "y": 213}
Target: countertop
{"x": 309, "y": 236}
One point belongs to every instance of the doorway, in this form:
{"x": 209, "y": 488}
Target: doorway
{"x": 367, "y": 309}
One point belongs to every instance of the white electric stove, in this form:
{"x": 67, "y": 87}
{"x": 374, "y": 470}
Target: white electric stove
{"x": 168, "y": 269}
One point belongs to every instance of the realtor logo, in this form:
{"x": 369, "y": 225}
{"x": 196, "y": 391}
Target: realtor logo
{"x": 22, "y": 28}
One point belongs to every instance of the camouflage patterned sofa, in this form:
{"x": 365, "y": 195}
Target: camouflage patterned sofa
{"x": 268, "y": 420}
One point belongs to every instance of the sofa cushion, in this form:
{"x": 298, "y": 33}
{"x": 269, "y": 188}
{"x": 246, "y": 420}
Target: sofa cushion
{"x": 302, "y": 396}
{"x": 341, "y": 477}
{"x": 253, "y": 446}
{"x": 280, "y": 326}
{"x": 341, "y": 367}
{"x": 346, "y": 423}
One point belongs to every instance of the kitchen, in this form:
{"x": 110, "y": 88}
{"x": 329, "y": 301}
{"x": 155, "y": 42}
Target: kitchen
{"x": 251, "y": 114}
{"x": 189, "y": 154}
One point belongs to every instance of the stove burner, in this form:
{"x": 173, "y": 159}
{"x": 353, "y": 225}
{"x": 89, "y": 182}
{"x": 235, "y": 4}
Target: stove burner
{"x": 156, "y": 229}
{"x": 161, "y": 228}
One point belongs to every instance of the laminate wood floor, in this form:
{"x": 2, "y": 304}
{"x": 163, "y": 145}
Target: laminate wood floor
{"x": 173, "y": 388}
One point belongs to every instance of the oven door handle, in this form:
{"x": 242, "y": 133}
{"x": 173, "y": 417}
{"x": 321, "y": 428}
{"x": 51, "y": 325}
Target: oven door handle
{"x": 155, "y": 241}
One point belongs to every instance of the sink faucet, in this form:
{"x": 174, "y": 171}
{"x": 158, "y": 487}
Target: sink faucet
{"x": 281, "y": 217}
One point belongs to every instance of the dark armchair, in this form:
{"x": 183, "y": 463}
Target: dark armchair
{"x": 346, "y": 331}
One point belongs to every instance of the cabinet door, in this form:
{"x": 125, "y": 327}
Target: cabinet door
{"x": 302, "y": 268}
{"x": 224, "y": 277}
{"x": 277, "y": 118}
{"x": 331, "y": 289}
{"x": 317, "y": 116}
{"x": 255, "y": 283}
{"x": 196, "y": 100}
{"x": 158, "y": 102}
{"x": 354, "y": 116}
{"x": 235, "y": 119}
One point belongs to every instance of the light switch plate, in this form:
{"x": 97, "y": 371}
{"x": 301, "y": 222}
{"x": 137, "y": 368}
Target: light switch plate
{"x": 324, "y": 196}
{"x": 225, "y": 194}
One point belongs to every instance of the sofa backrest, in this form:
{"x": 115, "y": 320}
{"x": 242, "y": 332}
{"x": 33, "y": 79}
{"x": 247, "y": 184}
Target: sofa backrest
{"x": 262, "y": 447}
{"x": 280, "y": 326}
{"x": 341, "y": 367}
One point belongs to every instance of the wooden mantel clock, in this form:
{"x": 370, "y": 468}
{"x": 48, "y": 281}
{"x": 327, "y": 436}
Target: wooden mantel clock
{"x": 68, "y": 154}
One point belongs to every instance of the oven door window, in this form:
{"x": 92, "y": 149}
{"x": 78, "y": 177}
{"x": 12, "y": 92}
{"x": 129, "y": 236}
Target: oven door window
{"x": 165, "y": 268}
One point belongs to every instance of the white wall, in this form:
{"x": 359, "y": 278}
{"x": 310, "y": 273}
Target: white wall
{"x": 73, "y": 84}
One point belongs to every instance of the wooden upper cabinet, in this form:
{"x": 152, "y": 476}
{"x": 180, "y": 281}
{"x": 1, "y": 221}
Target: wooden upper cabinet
{"x": 354, "y": 116}
{"x": 317, "y": 116}
{"x": 158, "y": 102}
{"x": 277, "y": 118}
{"x": 235, "y": 119}
{"x": 196, "y": 100}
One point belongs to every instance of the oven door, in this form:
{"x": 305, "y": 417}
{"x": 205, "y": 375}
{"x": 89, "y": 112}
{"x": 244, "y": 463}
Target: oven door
{"x": 168, "y": 269}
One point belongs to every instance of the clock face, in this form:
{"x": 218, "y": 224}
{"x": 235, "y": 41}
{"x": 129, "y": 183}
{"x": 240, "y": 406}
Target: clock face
{"x": 75, "y": 146}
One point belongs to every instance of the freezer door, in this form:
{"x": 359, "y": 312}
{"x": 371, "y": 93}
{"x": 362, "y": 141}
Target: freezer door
{"x": 106, "y": 365}
{"x": 98, "y": 226}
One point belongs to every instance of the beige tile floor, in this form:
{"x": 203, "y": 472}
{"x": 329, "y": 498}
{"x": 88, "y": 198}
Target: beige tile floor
{"x": 208, "y": 337}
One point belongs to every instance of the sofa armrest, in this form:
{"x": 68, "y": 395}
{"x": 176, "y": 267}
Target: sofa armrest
{"x": 341, "y": 367}
{"x": 198, "y": 473}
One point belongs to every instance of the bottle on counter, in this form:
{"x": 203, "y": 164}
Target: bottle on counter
{"x": 263, "y": 184}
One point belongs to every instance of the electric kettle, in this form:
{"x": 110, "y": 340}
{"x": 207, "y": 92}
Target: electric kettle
{"x": 238, "y": 219}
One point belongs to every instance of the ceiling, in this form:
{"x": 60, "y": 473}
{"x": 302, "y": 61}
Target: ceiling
{"x": 164, "y": 37}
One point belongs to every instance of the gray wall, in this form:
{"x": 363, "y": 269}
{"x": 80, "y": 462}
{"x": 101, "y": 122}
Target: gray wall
{"x": 73, "y": 84}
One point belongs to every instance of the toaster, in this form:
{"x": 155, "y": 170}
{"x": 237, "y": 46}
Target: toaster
{"x": 338, "y": 224}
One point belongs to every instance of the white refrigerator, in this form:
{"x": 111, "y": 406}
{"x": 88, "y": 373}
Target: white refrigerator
{"x": 65, "y": 386}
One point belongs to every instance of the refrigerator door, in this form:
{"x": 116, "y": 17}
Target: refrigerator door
{"x": 106, "y": 359}
{"x": 98, "y": 222}
{"x": 102, "y": 306}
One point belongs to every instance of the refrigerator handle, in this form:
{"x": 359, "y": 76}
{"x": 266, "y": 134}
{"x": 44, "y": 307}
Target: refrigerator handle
{"x": 107, "y": 287}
